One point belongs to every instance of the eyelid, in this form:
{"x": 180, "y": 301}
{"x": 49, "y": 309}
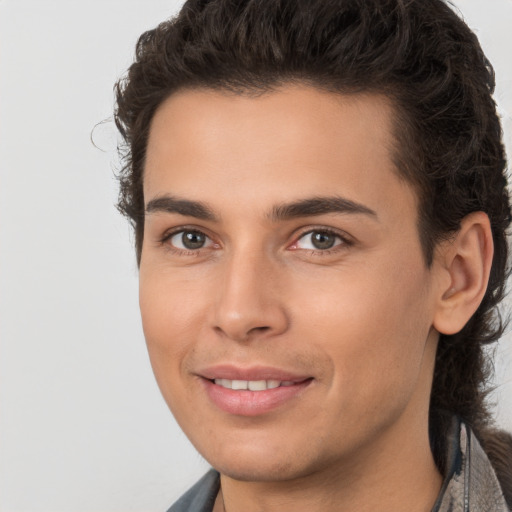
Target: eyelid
{"x": 184, "y": 227}
{"x": 170, "y": 233}
{"x": 346, "y": 240}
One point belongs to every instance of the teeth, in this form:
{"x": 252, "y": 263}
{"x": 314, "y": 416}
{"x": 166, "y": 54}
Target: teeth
{"x": 225, "y": 383}
{"x": 257, "y": 385}
{"x": 271, "y": 384}
{"x": 252, "y": 385}
{"x": 239, "y": 384}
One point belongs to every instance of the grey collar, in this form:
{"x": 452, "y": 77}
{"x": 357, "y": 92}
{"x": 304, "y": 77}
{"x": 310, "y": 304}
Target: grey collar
{"x": 470, "y": 484}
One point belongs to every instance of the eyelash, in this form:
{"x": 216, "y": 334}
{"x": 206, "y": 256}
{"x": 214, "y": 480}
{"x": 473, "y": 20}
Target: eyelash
{"x": 345, "y": 241}
{"x": 165, "y": 241}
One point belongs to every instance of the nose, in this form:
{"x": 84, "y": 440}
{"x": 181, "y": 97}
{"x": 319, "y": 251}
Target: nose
{"x": 249, "y": 304}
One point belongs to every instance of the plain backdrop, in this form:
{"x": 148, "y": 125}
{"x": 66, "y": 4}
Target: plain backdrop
{"x": 82, "y": 425}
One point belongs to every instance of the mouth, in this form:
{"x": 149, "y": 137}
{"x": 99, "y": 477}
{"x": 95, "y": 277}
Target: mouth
{"x": 252, "y": 392}
{"x": 252, "y": 385}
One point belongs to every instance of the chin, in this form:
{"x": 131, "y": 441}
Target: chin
{"x": 265, "y": 462}
{"x": 259, "y": 471}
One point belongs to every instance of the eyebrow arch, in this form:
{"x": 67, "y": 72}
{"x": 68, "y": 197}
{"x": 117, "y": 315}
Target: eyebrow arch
{"x": 169, "y": 204}
{"x": 319, "y": 206}
{"x": 287, "y": 211}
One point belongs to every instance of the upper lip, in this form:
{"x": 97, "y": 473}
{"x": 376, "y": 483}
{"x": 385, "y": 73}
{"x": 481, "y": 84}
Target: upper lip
{"x": 232, "y": 372}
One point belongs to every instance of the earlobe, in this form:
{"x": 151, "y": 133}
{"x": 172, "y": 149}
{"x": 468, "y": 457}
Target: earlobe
{"x": 467, "y": 259}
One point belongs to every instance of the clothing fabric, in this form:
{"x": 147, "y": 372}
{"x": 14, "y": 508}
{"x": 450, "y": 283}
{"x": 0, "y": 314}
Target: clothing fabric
{"x": 470, "y": 484}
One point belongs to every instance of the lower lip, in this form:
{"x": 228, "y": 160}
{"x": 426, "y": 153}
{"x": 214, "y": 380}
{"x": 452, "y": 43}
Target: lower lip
{"x": 252, "y": 403}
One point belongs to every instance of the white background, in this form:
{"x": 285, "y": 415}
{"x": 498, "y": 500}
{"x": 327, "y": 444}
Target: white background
{"x": 82, "y": 425}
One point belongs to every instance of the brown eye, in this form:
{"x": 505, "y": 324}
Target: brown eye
{"x": 322, "y": 240}
{"x": 189, "y": 240}
{"x": 319, "y": 240}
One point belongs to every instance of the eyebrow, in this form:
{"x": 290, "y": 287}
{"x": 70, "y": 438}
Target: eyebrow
{"x": 185, "y": 207}
{"x": 286, "y": 211}
{"x": 319, "y": 206}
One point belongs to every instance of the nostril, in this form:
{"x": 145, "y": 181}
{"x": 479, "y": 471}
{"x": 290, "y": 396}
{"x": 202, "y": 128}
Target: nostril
{"x": 260, "y": 329}
{"x": 243, "y": 334}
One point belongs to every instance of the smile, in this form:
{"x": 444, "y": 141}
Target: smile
{"x": 252, "y": 385}
{"x": 242, "y": 397}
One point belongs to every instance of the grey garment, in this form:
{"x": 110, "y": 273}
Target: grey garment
{"x": 470, "y": 484}
{"x": 201, "y": 497}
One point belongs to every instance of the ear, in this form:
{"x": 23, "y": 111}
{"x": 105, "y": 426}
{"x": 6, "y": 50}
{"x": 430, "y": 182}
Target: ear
{"x": 465, "y": 262}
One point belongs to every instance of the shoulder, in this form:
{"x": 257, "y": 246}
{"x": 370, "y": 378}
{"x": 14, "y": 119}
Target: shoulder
{"x": 201, "y": 496}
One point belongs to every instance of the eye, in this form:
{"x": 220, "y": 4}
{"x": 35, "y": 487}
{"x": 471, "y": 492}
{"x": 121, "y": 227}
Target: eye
{"x": 189, "y": 240}
{"x": 319, "y": 240}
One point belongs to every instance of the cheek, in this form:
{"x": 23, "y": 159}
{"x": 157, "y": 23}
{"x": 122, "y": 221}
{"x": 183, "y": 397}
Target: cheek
{"x": 170, "y": 312}
{"x": 171, "y": 317}
{"x": 374, "y": 327}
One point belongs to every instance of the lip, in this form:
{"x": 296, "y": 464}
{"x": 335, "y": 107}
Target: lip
{"x": 231, "y": 372}
{"x": 252, "y": 403}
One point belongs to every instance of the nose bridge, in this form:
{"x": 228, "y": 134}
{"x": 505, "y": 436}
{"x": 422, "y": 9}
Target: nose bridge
{"x": 248, "y": 302}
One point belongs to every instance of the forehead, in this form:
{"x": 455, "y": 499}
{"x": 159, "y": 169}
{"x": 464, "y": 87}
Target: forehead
{"x": 288, "y": 144}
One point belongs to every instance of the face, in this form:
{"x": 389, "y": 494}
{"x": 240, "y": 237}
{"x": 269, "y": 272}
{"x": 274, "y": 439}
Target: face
{"x": 285, "y": 299}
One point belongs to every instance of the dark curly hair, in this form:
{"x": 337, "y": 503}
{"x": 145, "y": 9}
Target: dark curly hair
{"x": 448, "y": 139}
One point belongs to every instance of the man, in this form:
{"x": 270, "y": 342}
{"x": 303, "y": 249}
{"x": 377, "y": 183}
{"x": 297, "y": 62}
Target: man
{"x": 318, "y": 195}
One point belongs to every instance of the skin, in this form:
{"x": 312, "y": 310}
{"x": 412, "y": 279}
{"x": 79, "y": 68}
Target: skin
{"x": 358, "y": 318}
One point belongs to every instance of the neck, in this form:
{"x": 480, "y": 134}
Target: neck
{"x": 397, "y": 474}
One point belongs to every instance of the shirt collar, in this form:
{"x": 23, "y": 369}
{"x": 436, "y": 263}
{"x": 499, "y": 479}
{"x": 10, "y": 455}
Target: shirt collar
{"x": 470, "y": 484}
